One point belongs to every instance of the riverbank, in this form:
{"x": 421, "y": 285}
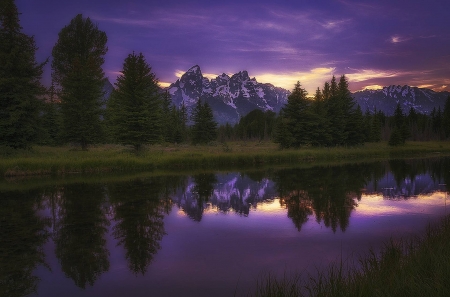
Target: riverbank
{"x": 42, "y": 160}
{"x": 405, "y": 267}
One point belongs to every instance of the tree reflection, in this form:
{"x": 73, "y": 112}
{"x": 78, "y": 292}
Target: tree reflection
{"x": 80, "y": 233}
{"x": 22, "y": 236}
{"x": 139, "y": 207}
{"x": 331, "y": 193}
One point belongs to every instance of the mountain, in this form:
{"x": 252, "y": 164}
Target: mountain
{"x": 386, "y": 99}
{"x": 229, "y": 97}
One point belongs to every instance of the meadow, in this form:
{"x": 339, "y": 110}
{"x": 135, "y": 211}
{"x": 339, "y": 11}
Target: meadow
{"x": 45, "y": 160}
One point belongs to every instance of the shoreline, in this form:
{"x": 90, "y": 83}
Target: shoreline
{"x": 44, "y": 160}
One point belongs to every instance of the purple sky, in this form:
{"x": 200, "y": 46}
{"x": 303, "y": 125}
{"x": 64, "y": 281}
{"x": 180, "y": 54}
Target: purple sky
{"x": 375, "y": 43}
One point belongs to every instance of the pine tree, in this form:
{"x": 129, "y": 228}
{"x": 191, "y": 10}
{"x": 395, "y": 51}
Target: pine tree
{"x": 50, "y": 119}
{"x": 323, "y": 124}
{"x": 446, "y": 118}
{"x": 19, "y": 81}
{"x": 299, "y": 119}
{"x": 355, "y": 128}
{"x": 336, "y": 114}
{"x": 400, "y": 132}
{"x": 135, "y": 106}
{"x": 204, "y": 128}
{"x": 375, "y": 128}
{"x": 168, "y": 122}
{"x": 78, "y": 57}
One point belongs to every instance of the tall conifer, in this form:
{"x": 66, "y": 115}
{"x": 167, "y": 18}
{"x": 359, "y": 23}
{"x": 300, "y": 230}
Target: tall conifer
{"x": 135, "y": 106}
{"x": 78, "y": 57}
{"x": 204, "y": 129}
{"x": 19, "y": 81}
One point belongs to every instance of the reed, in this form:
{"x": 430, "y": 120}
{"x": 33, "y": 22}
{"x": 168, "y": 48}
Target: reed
{"x": 404, "y": 267}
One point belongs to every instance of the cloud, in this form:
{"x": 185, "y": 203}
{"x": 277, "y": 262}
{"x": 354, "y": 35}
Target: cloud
{"x": 372, "y": 87}
{"x": 398, "y": 39}
{"x": 164, "y": 84}
{"x": 336, "y": 25}
{"x": 367, "y": 74}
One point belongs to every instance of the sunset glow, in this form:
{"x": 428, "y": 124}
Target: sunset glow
{"x": 278, "y": 43}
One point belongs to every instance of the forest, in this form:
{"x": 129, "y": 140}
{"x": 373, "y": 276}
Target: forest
{"x": 74, "y": 109}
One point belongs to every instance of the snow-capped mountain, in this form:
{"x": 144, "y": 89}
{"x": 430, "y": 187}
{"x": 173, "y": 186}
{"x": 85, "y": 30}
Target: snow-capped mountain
{"x": 229, "y": 97}
{"x": 232, "y": 192}
{"x": 386, "y": 99}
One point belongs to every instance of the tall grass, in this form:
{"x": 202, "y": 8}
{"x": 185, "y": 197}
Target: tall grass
{"x": 404, "y": 267}
{"x": 107, "y": 158}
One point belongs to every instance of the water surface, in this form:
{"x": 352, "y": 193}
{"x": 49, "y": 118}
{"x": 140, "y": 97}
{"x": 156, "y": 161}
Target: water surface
{"x": 208, "y": 234}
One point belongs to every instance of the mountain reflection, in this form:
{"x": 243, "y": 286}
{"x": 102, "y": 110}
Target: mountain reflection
{"x": 77, "y": 217}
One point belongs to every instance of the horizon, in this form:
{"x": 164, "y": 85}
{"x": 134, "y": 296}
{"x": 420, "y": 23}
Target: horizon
{"x": 211, "y": 76}
{"x": 374, "y": 43}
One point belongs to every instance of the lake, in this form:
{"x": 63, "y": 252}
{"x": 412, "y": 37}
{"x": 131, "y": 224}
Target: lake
{"x": 206, "y": 234}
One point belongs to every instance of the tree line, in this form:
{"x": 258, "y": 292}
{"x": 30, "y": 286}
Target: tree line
{"x": 74, "y": 109}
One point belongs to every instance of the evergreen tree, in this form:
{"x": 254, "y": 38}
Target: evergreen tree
{"x": 19, "y": 81}
{"x": 446, "y": 118}
{"x": 168, "y": 121}
{"x": 337, "y": 113}
{"x": 299, "y": 119}
{"x": 204, "y": 128}
{"x": 135, "y": 106}
{"x": 78, "y": 57}
{"x": 323, "y": 124}
{"x": 50, "y": 119}
{"x": 400, "y": 132}
{"x": 355, "y": 128}
{"x": 283, "y": 135}
{"x": 375, "y": 128}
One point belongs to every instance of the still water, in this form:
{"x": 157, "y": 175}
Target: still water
{"x": 209, "y": 234}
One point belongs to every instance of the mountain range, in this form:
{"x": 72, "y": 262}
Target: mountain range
{"x": 229, "y": 97}
{"x": 386, "y": 99}
{"x": 232, "y": 97}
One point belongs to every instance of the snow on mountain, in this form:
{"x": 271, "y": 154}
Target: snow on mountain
{"x": 229, "y": 97}
{"x": 386, "y": 99}
{"x": 231, "y": 193}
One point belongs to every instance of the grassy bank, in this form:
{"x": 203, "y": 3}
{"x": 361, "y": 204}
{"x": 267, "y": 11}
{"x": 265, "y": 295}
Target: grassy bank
{"x": 405, "y": 267}
{"x": 114, "y": 158}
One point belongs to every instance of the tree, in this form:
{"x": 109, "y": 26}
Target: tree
{"x": 134, "y": 110}
{"x": 20, "y": 84}
{"x": 298, "y": 123}
{"x": 446, "y": 118}
{"x": 168, "y": 119}
{"x": 399, "y": 133}
{"x": 78, "y": 56}
{"x": 50, "y": 120}
{"x": 204, "y": 129}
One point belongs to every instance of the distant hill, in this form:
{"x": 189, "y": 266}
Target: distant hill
{"x": 386, "y": 99}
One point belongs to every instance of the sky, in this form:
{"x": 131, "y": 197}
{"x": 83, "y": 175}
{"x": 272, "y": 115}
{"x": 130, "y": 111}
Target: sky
{"x": 374, "y": 43}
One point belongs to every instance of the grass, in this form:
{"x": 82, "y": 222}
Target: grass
{"x": 404, "y": 267}
{"x": 42, "y": 160}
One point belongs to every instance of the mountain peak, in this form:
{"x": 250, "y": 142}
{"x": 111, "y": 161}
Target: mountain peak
{"x": 194, "y": 69}
{"x": 230, "y": 97}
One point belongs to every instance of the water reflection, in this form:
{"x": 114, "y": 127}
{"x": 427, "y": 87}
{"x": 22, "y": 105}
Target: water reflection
{"x": 80, "y": 231}
{"x": 331, "y": 193}
{"x": 139, "y": 207}
{"x": 22, "y": 236}
{"x": 79, "y": 219}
